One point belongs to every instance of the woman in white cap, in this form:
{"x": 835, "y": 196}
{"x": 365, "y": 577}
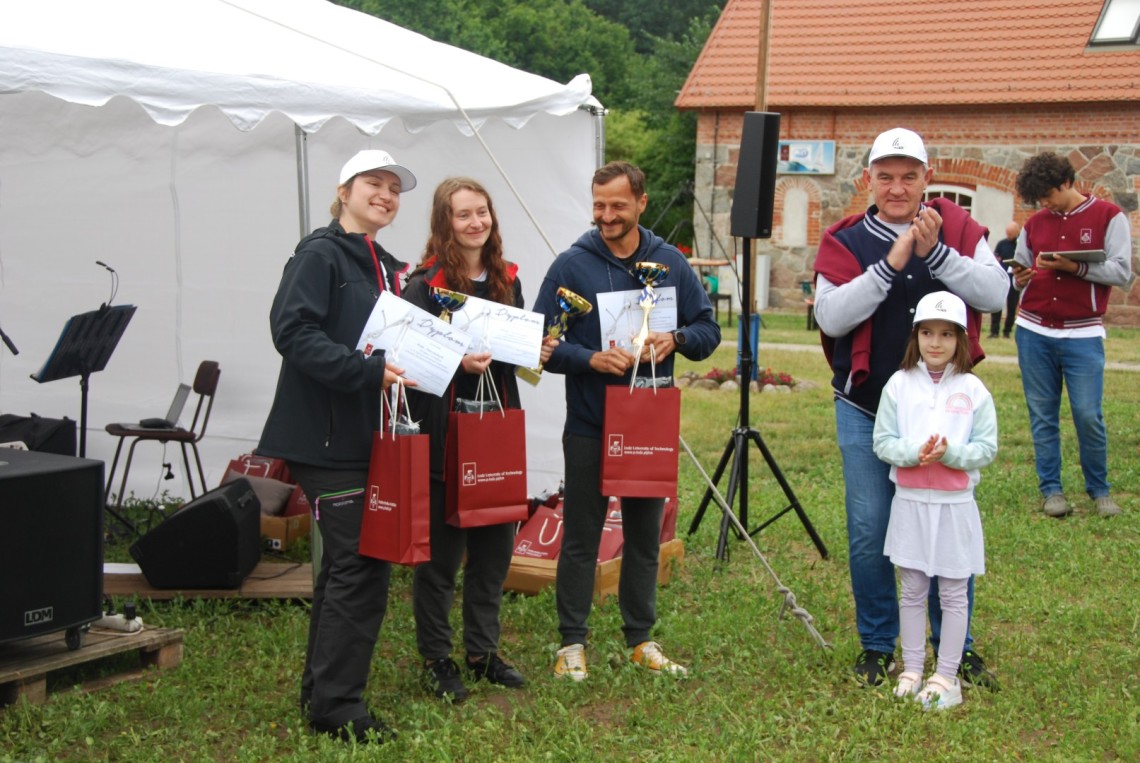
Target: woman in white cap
{"x": 936, "y": 427}
{"x": 324, "y": 410}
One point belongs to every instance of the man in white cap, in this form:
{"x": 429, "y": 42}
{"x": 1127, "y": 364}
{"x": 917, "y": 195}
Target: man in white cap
{"x": 871, "y": 271}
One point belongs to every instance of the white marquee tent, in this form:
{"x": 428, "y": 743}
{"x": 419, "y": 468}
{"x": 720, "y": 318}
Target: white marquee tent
{"x": 186, "y": 143}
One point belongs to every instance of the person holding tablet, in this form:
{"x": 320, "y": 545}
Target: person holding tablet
{"x": 1060, "y": 337}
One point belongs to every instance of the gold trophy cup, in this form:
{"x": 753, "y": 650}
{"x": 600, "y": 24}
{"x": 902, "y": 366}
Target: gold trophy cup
{"x": 650, "y": 274}
{"x": 571, "y": 305}
{"x": 450, "y": 301}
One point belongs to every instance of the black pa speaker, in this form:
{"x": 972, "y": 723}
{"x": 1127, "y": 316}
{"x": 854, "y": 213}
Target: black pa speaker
{"x": 211, "y": 542}
{"x": 51, "y": 546}
{"x": 755, "y": 191}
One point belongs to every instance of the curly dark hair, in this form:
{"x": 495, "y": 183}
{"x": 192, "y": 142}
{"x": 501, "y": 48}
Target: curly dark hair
{"x": 1041, "y": 174}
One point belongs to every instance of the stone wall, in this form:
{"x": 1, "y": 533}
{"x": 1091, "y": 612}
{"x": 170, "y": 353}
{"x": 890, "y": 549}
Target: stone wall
{"x": 980, "y": 149}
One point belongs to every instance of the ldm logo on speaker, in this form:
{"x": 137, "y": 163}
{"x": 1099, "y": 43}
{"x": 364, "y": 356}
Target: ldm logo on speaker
{"x": 39, "y": 616}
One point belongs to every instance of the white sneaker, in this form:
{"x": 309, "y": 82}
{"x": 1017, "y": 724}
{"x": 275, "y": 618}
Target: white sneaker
{"x": 908, "y": 685}
{"x": 940, "y": 693}
{"x": 571, "y": 663}
{"x": 648, "y": 654}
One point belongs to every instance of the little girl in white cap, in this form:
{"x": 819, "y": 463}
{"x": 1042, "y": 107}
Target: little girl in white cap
{"x": 936, "y": 426}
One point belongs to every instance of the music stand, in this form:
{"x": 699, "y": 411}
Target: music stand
{"x": 84, "y": 347}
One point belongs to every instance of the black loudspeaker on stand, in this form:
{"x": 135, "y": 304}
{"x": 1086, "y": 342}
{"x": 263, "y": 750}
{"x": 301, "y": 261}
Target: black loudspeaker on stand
{"x": 751, "y": 217}
{"x": 211, "y": 542}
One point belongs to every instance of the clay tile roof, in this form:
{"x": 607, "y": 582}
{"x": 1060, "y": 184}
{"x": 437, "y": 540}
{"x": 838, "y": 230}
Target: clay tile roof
{"x": 829, "y": 53}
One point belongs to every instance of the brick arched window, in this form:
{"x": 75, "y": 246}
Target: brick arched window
{"x": 960, "y": 195}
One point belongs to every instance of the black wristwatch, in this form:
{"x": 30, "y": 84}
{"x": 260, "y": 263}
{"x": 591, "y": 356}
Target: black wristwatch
{"x": 678, "y": 337}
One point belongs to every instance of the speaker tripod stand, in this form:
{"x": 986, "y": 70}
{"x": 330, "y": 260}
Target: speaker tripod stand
{"x": 737, "y": 449}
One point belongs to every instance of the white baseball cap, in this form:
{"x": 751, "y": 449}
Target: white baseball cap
{"x": 897, "y": 142}
{"x": 941, "y": 306}
{"x": 374, "y": 159}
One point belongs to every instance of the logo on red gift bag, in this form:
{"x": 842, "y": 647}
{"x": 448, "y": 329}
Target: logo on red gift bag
{"x": 375, "y": 502}
{"x": 541, "y": 536}
{"x": 616, "y": 444}
{"x": 471, "y": 476}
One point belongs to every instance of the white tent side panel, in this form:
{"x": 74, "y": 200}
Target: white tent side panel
{"x": 198, "y": 221}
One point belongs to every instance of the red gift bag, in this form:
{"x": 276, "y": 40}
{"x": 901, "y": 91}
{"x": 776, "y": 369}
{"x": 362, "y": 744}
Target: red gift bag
{"x": 260, "y": 466}
{"x": 396, "y": 526}
{"x": 541, "y": 536}
{"x": 613, "y": 538}
{"x": 485, "y": 470}
{"x": 640, "y": 434}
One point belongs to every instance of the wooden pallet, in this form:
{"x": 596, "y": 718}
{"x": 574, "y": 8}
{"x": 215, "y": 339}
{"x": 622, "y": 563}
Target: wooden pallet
{"x": 269, "y": 580}
{"x": 25, "y": 665}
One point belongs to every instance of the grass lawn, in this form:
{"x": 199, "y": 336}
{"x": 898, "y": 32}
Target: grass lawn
{"x": 1056, "y": 618}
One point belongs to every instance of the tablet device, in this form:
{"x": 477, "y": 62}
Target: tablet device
{"x": 1079, "y": 255}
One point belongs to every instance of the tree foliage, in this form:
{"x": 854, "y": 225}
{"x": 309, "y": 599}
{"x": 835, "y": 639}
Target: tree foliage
{"x": 637, "y": 55}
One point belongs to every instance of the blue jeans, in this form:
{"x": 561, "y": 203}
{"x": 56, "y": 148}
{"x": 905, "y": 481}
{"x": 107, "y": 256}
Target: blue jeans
{"x": 1048, "y": 364}
{"x": 869, "y": 492}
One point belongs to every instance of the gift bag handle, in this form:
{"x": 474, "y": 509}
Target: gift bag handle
{"x": 390, "y": 404}
{"x": 487, "y": 380}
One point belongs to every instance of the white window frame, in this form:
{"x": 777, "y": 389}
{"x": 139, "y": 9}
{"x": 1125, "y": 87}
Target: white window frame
{"x": 1118, "y": 25}
{"x": 935, "y": 189}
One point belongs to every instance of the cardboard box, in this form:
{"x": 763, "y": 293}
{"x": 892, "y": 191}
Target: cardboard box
{"x": 529, "y": 576}
{"x": 279, "y": 532}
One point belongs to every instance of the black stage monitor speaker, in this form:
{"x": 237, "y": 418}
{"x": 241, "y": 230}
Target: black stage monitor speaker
{"x": 51, "y": 544}
{"x": 755, "y": 191}
{"x": 211, "y": 542}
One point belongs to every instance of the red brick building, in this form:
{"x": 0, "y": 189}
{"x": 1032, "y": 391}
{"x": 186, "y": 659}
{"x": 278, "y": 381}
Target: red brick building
{"x": 987, "y": 83}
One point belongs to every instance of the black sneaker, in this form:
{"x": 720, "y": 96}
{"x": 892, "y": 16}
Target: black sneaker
{"x": 973, "y": 672}
{"x": 357, "y": 730}
{"x": 871, "y": 667}
{"x": 442, "y": 678}
{"x": 495, "y": 671}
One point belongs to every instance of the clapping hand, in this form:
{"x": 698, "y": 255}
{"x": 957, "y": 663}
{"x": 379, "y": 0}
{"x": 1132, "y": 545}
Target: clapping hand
{"x": 932, "y": 450}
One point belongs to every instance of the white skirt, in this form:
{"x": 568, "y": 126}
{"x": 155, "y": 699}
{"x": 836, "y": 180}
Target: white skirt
{"x": 939, "y": 539}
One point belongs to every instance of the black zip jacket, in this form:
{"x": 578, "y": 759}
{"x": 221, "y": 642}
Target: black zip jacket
{"x": 327, "y": 402}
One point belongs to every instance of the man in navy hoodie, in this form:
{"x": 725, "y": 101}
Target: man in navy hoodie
{"x": 601, "y": 261}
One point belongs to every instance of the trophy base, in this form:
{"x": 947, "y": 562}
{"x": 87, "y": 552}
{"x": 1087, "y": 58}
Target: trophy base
{"x": 531, "y": 376}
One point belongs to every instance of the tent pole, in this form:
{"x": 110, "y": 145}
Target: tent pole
{"x": 302, "y": 144}
{"x": 316, "y": 545}
{"x": 599, "y": 114}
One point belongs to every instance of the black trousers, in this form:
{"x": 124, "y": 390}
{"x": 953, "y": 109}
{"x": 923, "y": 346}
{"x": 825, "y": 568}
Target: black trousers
{"x": 583, "y": 518}
{"x": 488, "y": 552}
{"x": 349, "y": 599}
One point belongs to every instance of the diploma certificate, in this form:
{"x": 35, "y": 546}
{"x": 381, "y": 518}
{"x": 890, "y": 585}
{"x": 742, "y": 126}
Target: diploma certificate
{"x": 510, "y": 334}
{"x": 428, "y": 349}
{"x": 620, "y": 316}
